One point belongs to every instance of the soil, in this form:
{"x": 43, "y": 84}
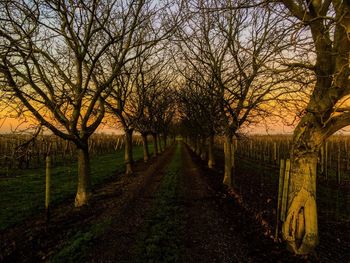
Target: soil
{"x": 216, "y": 227}
{"x": 220, "y": 229}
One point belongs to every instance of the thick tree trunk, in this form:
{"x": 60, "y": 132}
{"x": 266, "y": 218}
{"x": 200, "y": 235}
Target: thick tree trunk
{"x": 211, "y": 160}
{"x": 128, "y": 158}
{"x": 300, "y": 229}
{"x": 155, "y": 145}
{"x": 83, "y": 191}
{"x": 145, "y": 147}
{"x": 228, "y": 161}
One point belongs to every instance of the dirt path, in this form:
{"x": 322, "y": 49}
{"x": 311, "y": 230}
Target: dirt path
{"x": 217, "y": 228}
{"x": 117, "y": 244}
{"x": 209, "y": 237}
{"x": 36, "y": 241}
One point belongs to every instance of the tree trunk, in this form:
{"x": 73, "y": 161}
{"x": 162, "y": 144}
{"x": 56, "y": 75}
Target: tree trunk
{"x": 300, "y": 229}
{"x": 198, "y": 147}
{"x": 203, "y": 149}
{"x": 228, "y": 161}
{"x": 145, "y": 147}
{"x": 160, "y": 146}
{"x": 155, "y": 145}
{"x": 165, "y": 138}
{"x": 83, "y": 191}
{"x": 211, "y": 160}
{"x": 128, "y": 158}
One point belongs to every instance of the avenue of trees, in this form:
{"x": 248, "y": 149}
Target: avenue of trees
{"x": 210, "y": 67}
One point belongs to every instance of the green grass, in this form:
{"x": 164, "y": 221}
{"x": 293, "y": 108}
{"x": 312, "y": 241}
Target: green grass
{"x": 76, "y": 247}
{"x": 24, "y": 195}
{"x": 159, "y": 240}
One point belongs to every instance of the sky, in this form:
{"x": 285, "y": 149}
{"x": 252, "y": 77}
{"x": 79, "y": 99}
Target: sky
{"x": 7, "y": 125}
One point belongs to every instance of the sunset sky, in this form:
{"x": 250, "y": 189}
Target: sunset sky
{"x": 8, "y": 125}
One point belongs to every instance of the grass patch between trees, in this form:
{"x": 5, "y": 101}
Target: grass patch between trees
{"x": 159, "y": 241}
{"x": 24, "y": 195}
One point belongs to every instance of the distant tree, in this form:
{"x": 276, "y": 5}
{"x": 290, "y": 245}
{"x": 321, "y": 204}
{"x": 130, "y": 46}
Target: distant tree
{"x": 126, "y": 99}
{"x": 154, "y": 77}
{"x": 134, "y": 96}
{"x": 59, "y": 60}
{"x": 200, "y": 113}
{"x": 238, "y": 50}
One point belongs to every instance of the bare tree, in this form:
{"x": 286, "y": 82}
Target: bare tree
{"x": 322, "y": 31}
{"x": 146, "y": 44}
{"x": 153, "y": 77}
{"x": 200, "y": 113}
{"x": 237, "y": 49}
{"x": 59, "y": 60}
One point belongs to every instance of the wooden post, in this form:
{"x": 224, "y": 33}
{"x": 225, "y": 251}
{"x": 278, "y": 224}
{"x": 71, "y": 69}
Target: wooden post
{"x": 347, "y": 156}
{"x": 47, "y": 187}
{"x": 233, "y": 149}
{"x": 285, "y": 191}
{"x": 117, "y": 145}
{"x": 280, "y": 191}
{"x": 326, "y": 161}
{"x": 251, "y": 149}
{"x": 339, "y": 165}
{"x": 322, "y": 159}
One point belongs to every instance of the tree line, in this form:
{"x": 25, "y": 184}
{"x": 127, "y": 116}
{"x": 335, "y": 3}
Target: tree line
{"x": 211, "y": 67}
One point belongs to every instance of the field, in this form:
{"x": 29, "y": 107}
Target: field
{"x": 172, "y": 209}
{"x": 23, "y": 188}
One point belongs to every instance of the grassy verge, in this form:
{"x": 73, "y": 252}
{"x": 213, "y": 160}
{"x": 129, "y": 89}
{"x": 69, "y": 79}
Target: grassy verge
{"x": 76, "y": 247}
{"x": 159, "y": 241}
{"x": 24, "y": 195}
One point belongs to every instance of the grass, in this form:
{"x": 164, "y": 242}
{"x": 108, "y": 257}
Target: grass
{"x": 76, "y": 247}
{"x": 24, "y": 195}
{"x": 159, "y": 240}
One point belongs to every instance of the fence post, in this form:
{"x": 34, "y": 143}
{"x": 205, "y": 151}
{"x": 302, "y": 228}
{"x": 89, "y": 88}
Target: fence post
{"x": 280, "y": 191}
{"x": 339, "y": 165}
{"x": 285, "y": 191}
{"x": 47, "y": 187}
{"x": 326, "y": 160}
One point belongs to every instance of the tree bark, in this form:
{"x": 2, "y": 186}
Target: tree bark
{"x": 228, "y": 161}
{"x": 211, "y": 159}
{"x": 203, "y": 149}
{"x": 145, "y": 147}
{"x": 165, "y": 138}
{"x": 160, "y": 146}
{"x": 155, "y": 145}
{"x": 128, "y": 157}
{"x": 84, "y": 187}
{"x": 198, "y": 147}
{"x": 300, "y": 229}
